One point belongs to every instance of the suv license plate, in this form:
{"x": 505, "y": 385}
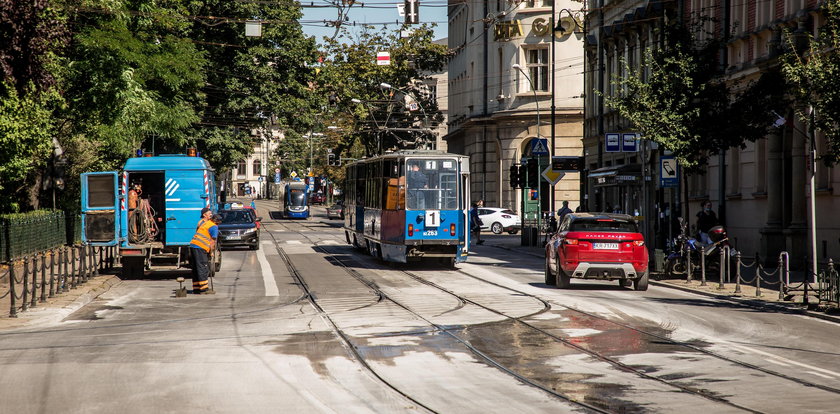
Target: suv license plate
{"x": 605, "y": 246}
{"x": 233, "y": 238}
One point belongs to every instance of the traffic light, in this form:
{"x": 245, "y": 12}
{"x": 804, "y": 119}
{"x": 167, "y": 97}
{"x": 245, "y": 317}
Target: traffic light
{"x": 516, "y": 176}
{"x": 533, "y": 174}
{"x": 331, "y": 159}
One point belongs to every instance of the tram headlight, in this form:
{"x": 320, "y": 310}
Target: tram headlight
{"x": 410, "y": 229}
{"x": 452, "y": 229}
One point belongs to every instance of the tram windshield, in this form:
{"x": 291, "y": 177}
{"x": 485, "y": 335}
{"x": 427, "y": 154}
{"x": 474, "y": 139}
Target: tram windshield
{"x": 297, "y": 197}
{"x": 432, "y": 184}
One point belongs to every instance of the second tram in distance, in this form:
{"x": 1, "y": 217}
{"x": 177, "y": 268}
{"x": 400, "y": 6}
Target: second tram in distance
{"x": 409, "y": 205}
{"x": 296, "y": 200}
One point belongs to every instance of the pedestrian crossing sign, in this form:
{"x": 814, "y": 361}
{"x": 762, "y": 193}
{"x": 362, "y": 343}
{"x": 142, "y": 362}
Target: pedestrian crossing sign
{"x": 539, "y": 146}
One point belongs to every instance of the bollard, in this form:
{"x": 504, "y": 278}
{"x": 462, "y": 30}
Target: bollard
{"x": 25, "y": 284}
{"x": 82, "y": 264}
{"x": 52, "y": 273}
{"x": 758, "y": 270}
{"x": 34, "y": 294}
{"x": 738, "y": 274}
{"x": 782, "y": 286}
{"x": 43, "y": 277}
{"x": 688, "y": 269}
{"x": 702, "y": 267}
{"x": 722, "y": 258}
{"x": 12, "y": 294}
{"x": 63, "y": 263}
{"x": 73, "y": 267}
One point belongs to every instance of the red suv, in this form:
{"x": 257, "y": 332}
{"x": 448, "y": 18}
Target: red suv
{"x": 600, "y": 246}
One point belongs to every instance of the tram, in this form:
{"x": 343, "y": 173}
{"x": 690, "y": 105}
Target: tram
{"x": 296, "y": 200}
{"x": 409, "y": 206}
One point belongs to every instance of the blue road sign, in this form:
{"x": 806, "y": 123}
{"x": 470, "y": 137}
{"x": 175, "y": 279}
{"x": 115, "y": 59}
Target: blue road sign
{"x": 668, "y": 172}
{"x": 629, "y": 143}
{"x": 539, "y": 146}
{"x": 277, "y": 178}
{"x": 612, "y": 143}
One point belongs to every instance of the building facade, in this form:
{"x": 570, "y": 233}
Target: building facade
{"x": 502, "y": 77}
{"x": 761, "y": 191}
{"x": 252, "y": 176}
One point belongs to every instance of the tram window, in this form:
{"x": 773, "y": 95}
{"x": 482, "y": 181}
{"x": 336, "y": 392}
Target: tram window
{"x": 392, "y": 185}
{"x": 432, "y": 184}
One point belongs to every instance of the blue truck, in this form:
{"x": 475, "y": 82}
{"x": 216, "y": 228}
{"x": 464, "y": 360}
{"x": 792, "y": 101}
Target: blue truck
{"x": 150, "y": 210}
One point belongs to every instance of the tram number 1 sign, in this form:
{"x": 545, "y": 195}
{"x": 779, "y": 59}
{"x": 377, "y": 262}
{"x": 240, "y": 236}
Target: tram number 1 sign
{"x": 432, "y": 218}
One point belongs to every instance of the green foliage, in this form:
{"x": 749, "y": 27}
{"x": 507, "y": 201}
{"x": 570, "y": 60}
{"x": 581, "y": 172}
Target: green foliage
{"x": 814, "y": 74}
{"x": 350, "y": 72}
{"x": 25, "y": 138}
{"x": 685, "y": 106}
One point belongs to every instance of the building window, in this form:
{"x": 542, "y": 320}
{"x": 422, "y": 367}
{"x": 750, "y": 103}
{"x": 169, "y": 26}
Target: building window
{"x": 537, "y": 63}
{"x": 240, "y": 168}
{"x": 257, "y": 168}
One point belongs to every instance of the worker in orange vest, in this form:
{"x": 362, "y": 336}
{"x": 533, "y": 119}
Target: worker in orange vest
{"x": 202, "y": 244}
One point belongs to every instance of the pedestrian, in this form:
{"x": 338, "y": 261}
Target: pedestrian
{"x": 475, "y": 222}
{"x": 201, "y": 247}
{"x": 563, "y": 211}
{"x": 706, "y": 219}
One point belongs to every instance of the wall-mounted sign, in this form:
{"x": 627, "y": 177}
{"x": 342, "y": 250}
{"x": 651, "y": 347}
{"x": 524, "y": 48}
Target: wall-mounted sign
{"x": 630, "y": 143}
{"x": 612, "y": 143}
{"x": 507, "y": 30}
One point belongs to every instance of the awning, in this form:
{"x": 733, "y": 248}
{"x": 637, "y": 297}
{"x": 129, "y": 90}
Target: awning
{"x": 627, "y": 174}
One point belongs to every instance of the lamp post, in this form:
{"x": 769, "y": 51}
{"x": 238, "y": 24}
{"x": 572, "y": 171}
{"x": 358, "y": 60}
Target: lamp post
{"x": 539, "y": 193}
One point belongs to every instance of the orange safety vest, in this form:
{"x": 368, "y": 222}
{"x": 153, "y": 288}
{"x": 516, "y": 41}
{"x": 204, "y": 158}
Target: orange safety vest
{"x": 202, "y": 235}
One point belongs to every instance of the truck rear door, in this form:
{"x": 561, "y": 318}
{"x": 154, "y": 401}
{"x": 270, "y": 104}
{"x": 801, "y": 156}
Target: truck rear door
{"x": 186, "y": 193}
{"x": 100, "y": 208}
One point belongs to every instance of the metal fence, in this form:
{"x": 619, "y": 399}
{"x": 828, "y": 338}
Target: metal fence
{"x": 26, "y": 233}
{"x": 33, "y": 279}
{"x": 743, "y": 271}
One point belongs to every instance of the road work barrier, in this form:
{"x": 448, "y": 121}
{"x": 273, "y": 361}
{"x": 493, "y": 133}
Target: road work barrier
{"x": 29, "y": 281}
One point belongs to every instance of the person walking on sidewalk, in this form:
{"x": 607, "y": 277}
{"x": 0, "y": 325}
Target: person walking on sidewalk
{"x": 563, "y": 211}
{"x": 475, "y": 221}
{"x": 706, "y": 219}
{"x": 202, "y": 244}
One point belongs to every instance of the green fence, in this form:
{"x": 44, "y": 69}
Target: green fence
{"x": 27, "y": 233}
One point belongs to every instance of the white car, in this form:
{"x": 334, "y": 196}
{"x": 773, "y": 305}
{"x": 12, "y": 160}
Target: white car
{"x": 498, "y": 220}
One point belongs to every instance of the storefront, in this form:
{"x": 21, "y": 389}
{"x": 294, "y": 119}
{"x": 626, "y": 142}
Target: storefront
{"x": 618, "y": 189}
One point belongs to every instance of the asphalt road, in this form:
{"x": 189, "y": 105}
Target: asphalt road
{"x": 310, "y": 324}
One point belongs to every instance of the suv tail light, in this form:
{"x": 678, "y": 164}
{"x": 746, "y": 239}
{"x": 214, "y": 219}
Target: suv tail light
{"x": 505, "y": 216}
{"x": 639, "y": 243}
{"x": 572, "y": 242}
{"x": 410, "y": 229}
{"x": 452, "y": 229}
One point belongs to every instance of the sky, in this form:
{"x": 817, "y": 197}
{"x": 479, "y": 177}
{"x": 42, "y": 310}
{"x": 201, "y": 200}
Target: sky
{"x": 379, "y": 12}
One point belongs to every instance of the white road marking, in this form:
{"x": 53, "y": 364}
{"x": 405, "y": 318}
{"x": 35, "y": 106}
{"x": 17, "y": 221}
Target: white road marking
{"x": 293, "y": 242}
{"x": 268, "y": 277}
{"x": 785, "y": 360}
{"x": 819, "y": 375}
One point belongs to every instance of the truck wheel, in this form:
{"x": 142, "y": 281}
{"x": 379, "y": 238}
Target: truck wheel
{"x": 132, "y": 267}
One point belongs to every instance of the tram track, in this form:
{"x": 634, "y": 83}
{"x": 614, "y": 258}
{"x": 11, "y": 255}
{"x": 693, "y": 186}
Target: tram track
{"x": 349, "y": 344}
{"x": 599, "y": 356}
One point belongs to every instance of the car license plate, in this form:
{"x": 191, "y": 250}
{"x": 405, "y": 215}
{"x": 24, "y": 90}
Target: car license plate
{"x": 605, "y": 246}
{"x": 430, "y": 233}
{"x": 233, "y": 238}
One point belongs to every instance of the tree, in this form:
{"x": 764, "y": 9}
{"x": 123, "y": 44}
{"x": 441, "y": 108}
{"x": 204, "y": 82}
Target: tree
{"x": 686, "y": 106}
{"x": 812, "y": 68}
{"x": 31, "y": 36}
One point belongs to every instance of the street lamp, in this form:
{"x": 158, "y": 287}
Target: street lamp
{"x": 539, "y": 192}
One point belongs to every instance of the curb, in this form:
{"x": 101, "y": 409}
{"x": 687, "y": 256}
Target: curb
{"x": 752, "y": 303}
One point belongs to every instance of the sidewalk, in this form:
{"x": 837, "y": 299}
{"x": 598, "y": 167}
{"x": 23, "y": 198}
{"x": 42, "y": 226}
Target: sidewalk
{"x": 768, "y": 299}
{"x": 58, "y": 307}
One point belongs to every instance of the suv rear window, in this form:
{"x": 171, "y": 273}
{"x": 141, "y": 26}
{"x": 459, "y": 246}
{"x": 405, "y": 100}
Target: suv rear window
{"x": 608, "y": 225}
